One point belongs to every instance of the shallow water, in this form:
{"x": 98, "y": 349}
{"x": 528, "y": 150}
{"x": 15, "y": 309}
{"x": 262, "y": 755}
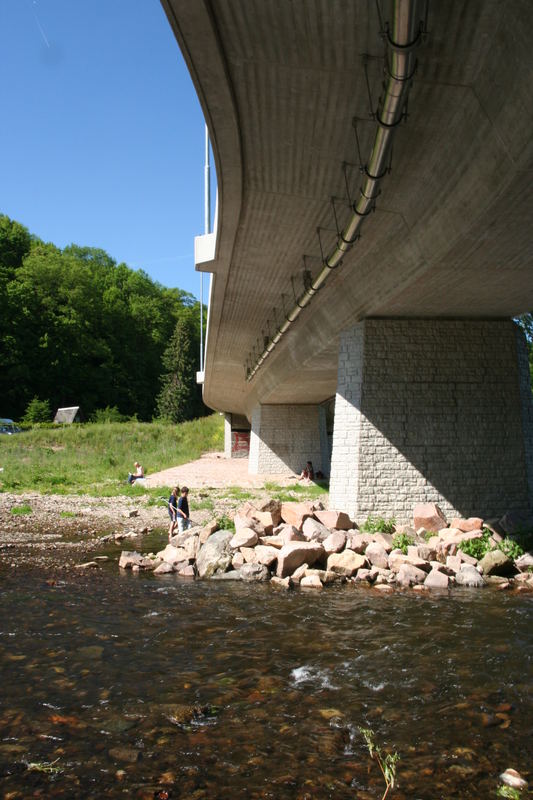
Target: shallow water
{"x": 142, "y": 687}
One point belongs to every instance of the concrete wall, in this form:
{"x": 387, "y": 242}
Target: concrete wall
{"x": 431, "y": 410}
{"x": 284, "y": 437}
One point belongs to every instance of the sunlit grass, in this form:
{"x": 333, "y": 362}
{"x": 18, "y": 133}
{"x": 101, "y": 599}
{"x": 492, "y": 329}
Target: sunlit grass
{"x": 96, "y": 457}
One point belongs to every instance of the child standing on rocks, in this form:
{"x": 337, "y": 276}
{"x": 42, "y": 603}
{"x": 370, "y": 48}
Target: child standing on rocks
{"x": 173, "y": 510}
{"x": 184, "y": 523}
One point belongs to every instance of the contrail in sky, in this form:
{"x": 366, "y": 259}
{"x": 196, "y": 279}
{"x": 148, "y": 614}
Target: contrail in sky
{"x": 43, "y": 34}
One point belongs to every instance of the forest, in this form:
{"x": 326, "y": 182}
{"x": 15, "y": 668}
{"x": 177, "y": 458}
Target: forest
{"x": 78, "y": 329}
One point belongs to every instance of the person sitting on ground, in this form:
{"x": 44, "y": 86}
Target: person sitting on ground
{"x": 173, "y": 511}
{"x": 139, "y": 473}
{"x": 307, "y": 473}
{"x": 184, "y": 523}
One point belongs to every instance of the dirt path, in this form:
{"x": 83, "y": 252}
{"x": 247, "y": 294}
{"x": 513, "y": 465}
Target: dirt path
{"x": 215, "y": 471}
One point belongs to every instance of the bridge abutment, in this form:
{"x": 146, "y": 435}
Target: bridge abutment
{"x": 432, "y": 411}
{"x": 284, "y": 437}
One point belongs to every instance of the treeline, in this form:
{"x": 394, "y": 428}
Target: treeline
{"x": 78, "y": 329}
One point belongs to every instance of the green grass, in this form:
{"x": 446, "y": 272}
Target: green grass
{"x": 67, "y": 514}
{"x": 96, "y": 457}
{"x": 21, "y": 510}
{"x": 297, "y": 493}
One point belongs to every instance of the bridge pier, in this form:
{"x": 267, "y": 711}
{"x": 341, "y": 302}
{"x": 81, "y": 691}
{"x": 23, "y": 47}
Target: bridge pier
{"x": 285, "y": 436}
{"x": 432, "y": 410}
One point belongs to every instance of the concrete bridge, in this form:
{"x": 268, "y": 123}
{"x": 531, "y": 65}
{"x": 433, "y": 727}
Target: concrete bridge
{"x": 374, "y": 239}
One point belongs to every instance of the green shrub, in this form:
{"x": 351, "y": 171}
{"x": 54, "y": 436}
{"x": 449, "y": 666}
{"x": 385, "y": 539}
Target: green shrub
{"x": 378, "y": 525}
{"x": 108, "y": 414}
{"x": 478, "y": 548}
{"x": 37, "y": 411}
{"x": 225, "y": 523}
{"x": 402, "y": 542}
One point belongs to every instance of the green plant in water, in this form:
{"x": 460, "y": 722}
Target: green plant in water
{"x": 508, "y": 792}
{"x": 21, "y": 510}
{"x": 44, "y": 766}
{"x": 387, "y": 763}
{"x": 378, "y": 525}
{"x": 402, "y": 541}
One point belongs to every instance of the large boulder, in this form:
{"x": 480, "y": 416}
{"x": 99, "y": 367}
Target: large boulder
{"x": 469, "y": 576}
{"x": 314, "y": 531}
{"x": 408, "y": 575}
{"x": 311, "y": 582}
{"x": 215, "y": 555}
{"x": 295, "y": 514}
{"x": 437, "y": 580}
{"x": 497, "y": 563}
{"x": 244, "y": 537}
{"x": 173, "y": 555}
{"x": 377, "y": 555}
{"x": 207, "y": 530}
{"x": 346, "y": 563}
{"x": 294, "y": 554}
{"x": 335, "y": 542}
{"x": 337, "y": 520}
{"x": 266, "y": 555}
{"x": 428, "y": 516}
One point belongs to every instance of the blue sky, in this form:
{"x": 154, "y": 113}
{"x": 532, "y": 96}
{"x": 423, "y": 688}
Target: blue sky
{"x": 102, "y": 136}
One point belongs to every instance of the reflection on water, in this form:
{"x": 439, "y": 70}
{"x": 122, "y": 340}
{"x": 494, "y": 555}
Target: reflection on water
{"x": 141, "y": 687}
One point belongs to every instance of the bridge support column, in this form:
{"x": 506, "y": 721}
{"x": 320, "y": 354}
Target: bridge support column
{"x": 284, "y": 437}
{"x": 432, "y": 411}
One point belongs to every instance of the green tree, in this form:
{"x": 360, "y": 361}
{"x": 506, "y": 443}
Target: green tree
{"x": 180, "y": 396}
{"x": 37, "y": 411}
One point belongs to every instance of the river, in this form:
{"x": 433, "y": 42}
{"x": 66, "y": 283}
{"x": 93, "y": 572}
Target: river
{"x": 117, "y": 685}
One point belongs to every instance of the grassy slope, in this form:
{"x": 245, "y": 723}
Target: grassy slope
{"x": 96, "y": 457}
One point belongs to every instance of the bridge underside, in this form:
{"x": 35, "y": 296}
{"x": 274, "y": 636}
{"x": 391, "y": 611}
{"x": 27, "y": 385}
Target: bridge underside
{"x": 450, "y": 240}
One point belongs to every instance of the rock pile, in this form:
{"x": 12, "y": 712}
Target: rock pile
{"x": 301, "y": 544}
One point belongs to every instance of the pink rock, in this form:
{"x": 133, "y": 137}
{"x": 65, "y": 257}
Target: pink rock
{"x": 346, "y": 563}
{"x": 187, "y": 571}
{"x": 454, "y": 563}
{"x": 295, "y": 554}
{"x": 470, "y": 524}
{"x": 237, "y": 560}
{"x": 466, "y": 558}
{"x": 437, "y": 580}
{"x": 313, "y": 530}
{"x": 334, "y": 519}
{"x": 384, "y": 539}
{"x": 358, "y": 542}
{"x": 397, "y": 560}
{"x": 244, "y": 537}
{"x": 428, "y": 516}
{"x": 266, "y": 555}
{"x": 266, "y": 519}
{"x": 377, "y": 555}
{"x": 409, "y": 575}
{"x": 295, "y": 514}
{"x": 207, "y": 530}
{"x": 311, "y": 582}
{"x": 249, "y": 555}
{"x": 335, "y": 542}
{"x": 298, "y": 573}
{"x": 274, "y": 507}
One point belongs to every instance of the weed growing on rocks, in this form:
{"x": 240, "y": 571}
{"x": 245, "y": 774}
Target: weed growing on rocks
{"x": 387, "y": 763}
{"x": 225, "y": 523}
{"x": 378, "y": 525}
{"x": 478, "y": 548}
{"x": 401, "y": 541}
{"x": 508, "y": 792}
